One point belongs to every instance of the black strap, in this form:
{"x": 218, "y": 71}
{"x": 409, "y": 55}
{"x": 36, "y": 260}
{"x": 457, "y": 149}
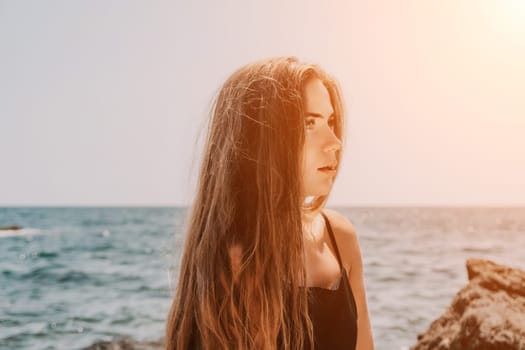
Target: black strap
{"x": 332, "y": 238}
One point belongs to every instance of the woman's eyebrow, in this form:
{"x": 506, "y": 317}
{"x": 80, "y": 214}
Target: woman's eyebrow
{"x": 318, "y": 115}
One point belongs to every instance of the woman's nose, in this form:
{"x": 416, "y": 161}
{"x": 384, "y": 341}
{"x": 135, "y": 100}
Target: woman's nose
{"x": 333, "y": 144}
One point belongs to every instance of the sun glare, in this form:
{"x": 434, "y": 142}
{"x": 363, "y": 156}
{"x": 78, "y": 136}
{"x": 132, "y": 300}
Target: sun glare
{"x": 502, "y": 22}
{"x": 507, "y": 14}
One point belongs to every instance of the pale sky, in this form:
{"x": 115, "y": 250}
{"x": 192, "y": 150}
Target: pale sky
{"x": 102, "y": 102}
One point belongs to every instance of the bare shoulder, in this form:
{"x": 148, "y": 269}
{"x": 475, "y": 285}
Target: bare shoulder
{"x": 343, "y": 228}
{"x": 346, "y": 237}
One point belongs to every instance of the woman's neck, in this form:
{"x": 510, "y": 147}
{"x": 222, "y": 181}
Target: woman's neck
{"x": 308, "y": 217}
{"x": 311, "y": 225}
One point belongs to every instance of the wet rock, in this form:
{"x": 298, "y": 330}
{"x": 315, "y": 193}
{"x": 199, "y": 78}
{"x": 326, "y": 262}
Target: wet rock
{"x": 127, "y": 344}
{"x": 10, "y": 228}
{"x": 487, "y": 314}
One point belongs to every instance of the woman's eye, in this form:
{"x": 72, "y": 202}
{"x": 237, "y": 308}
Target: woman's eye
{"x": 310, "y": 123}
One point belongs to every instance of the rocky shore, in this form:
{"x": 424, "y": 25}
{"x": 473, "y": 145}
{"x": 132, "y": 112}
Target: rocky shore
{"x": 487, "y": 314}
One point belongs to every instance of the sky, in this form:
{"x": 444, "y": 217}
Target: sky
{"x": 106, "y": 102}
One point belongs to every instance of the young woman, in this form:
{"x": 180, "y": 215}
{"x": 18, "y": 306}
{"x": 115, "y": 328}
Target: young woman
{"x": 265, "y": 267}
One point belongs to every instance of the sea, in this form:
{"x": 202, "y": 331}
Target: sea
{"x": 74, "y": 276}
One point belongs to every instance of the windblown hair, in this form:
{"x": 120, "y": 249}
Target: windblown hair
{"x": 250, "y": 195}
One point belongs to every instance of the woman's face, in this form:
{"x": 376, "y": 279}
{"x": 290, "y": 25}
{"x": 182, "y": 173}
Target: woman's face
{"x": 321, "y": 145}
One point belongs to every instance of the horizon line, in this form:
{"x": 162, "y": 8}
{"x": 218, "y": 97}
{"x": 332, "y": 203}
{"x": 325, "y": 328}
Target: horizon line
{"x": 384, "y": 205}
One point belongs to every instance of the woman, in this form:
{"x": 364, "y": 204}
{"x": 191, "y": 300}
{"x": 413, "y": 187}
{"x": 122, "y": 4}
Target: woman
{"x": 260, "y": 259}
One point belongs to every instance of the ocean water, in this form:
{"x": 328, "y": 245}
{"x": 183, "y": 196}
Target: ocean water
{"x": 73, "y": 276}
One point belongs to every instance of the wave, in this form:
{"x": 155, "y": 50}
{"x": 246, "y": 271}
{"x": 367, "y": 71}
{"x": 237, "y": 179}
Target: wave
{"x": 485, "y": 248}
{"x": 27, "y": 231}
{"x": 53, "y": 274}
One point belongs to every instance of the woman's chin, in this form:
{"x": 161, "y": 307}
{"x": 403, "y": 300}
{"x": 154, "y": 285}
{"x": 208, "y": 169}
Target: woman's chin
{"x": 321, "y": 189}
{"x": 321, "y": 192}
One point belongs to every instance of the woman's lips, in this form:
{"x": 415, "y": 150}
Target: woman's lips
{"x": 327, "y": 171}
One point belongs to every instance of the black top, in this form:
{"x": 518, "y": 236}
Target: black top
{"x": 333, "y": 311}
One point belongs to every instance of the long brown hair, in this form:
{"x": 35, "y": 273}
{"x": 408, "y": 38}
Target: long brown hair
{"x": 250, "y": 194}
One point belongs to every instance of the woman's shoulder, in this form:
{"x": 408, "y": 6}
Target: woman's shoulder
{"x": 342, "y": 227}
{"x": 346, "y": 237}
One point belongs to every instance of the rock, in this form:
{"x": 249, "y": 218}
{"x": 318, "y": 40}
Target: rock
{"x": 10, "y": 228}
{"x": 487, "y": 314}
{"x": 127, "y": 344}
